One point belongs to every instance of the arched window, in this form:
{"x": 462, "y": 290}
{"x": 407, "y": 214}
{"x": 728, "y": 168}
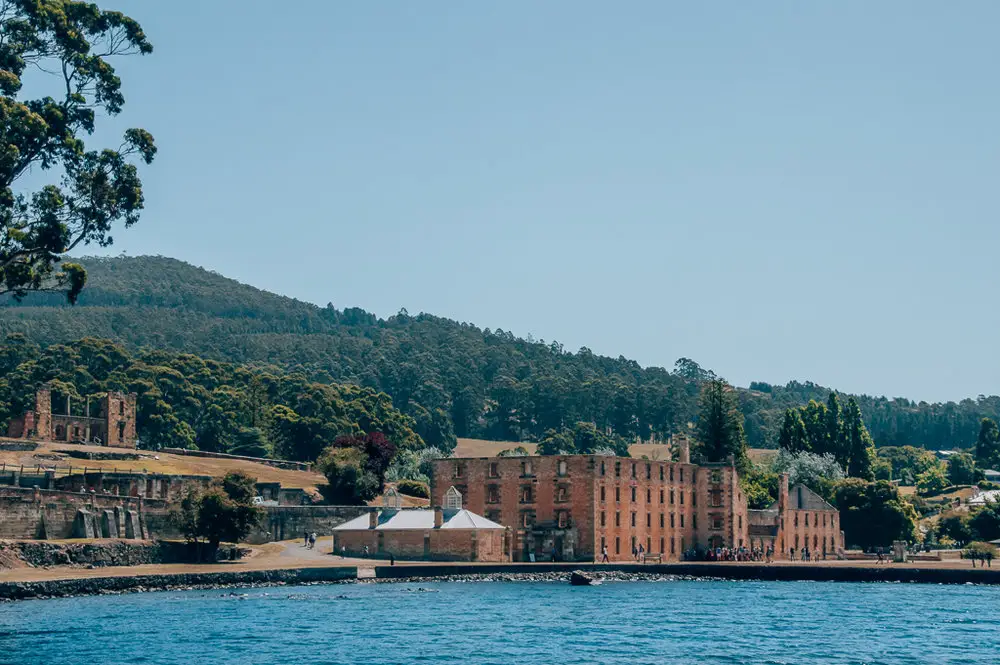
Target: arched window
{"x": 452, "y": 499}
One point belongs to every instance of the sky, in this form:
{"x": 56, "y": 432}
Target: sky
{"x": 779, "y": 190}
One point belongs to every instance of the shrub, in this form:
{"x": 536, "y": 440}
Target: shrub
{"x": 413, "y": 488}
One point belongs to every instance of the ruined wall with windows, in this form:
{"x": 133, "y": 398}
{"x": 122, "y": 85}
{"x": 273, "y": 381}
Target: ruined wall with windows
{"x": 106, "y": 420}
{"x": 573, "y": 507}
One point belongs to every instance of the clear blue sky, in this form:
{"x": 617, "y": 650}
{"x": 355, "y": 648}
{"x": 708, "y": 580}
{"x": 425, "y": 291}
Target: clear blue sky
{"x": 779, "y": 190}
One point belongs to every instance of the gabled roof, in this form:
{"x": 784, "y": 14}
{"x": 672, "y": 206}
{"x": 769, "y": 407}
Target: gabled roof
{"x": 421, "y": 519}
{"x": 801, "y": 497}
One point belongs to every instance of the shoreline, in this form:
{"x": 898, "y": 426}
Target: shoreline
{"x": 413, "y": 573}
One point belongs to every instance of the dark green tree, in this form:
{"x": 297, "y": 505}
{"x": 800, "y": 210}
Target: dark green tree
{"x": 835, "y": 442}
{"x": 962, "y": 469}
{"x": 720, "y": 425}
{"x": 793, "y": 436}
{"x": 874, "y": 513}
{"x": 70, "y": 44}
{"x": 224, "y": 512}
{"x": 861, "y": 461}
{"x": 985, "y": 522}
{"x": 988, "y": 445}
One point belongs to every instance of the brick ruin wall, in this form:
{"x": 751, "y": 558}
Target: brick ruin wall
{"x": 291, "y": 522}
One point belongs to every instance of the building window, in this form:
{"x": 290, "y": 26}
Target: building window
{"x": 671, "y": 496}
{"x": 649, "y": 520}
{"x": 661, "y": 473}
{"x": 563, "y": 519}
{"x": 716, "y": 523}
{"x": 661, "y": 545}
{"x": 602, "y": 493}
{"x": 493, "y": 516}
{"x": 649, "y": 495}
{"x": 661, "y": 497}
{"x": 562, "y": 493}
{"x": 633, "y": 470}
{"x": 602, "y": 518}
{"x": 740, "y": 519}
{"x": 527, "y": 519}
{"x": 633, "y": 495}
{"x": 694, "y": 521}
{"x": 824, "y": 520}
{"x": 815, "y": 541}
{"x": 618, "y": 494}
{"x": 618, "y": 518}
{"x": 662, "y": 522}
{"x": 815, "y": 519}
{"x": 527, "y": 496}
{"x": 682, "y": 497}
{"x": 561, "y": 467}
{"x": 602, "y": 467}
{"x": 493, "y": 494}
{"x": 618, "y": 545}
{"x": 603, "y": 544}
{"x": 649, "y": 544}
{"x": 618, "y": 469}
{"x": 796, "y": 541}
{"x": 673, "y": 544}
{"x": 649, "y": 471}
{"x": 494, "y": 471}
{"x": 671, "y": 520}
{"x": 694, "y": 498}
{"x": 633, "y": 519}
{"x": 796, "y": 520}
{"x": 716, "y": 477}
{"x": 715, "y": 498}
{"x": 682, "y": 475}
{"x": 682, "y": 520}
{"x": 671, "y": 474}
{"x": 526, "y": 468}
{"x": 633, "y": 544}
{"x": 806, "y": 515}
{"x": 456, "y": 471}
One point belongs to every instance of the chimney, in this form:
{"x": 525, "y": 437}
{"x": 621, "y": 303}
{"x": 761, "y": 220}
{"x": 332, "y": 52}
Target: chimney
{"x": 783, "y": 492}
{"x": 372, "y": 519}
{"x": 438, "y": 517}
{"x": 683, "y": 449}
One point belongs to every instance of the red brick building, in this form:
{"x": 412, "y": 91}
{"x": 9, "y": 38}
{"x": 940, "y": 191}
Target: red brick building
{"x": 574, "y": 507}
{"x": 109, "y": 421}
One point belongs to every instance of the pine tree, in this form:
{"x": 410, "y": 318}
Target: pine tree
{"x": 861, "y": 447}
{"x": 814, "y": 416}
{"x": 988, "y": 445}
{"x": 793, "y": 432}
{"x": 720, "y": 425}
{"x": 835, "y": 444}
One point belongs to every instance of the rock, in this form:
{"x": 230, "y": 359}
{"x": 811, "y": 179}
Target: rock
{"x": 579, "y": 579}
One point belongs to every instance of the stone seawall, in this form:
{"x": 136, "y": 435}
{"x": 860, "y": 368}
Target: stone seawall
{"x": 776, "y": 573}
{"x": 213, "y": 580}
{"x": 97, "y": 553}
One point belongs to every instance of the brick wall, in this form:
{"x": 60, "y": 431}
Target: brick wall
{"x": 290, "y": 522}
{"x": 421, "y": 544}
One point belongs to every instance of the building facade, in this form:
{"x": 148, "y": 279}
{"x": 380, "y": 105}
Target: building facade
{"x": 445, "y": 533}
{"x": 110, "y": 421}
{"x": 577, "y": 507}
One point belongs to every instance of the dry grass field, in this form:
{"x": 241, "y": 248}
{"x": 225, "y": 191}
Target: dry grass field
{"x": 53, "y": 454}
{"x": 653, "y": 451}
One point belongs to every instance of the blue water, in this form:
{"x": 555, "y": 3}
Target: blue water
{"x": 515, "y": 623}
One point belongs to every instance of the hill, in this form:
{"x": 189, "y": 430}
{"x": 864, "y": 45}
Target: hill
{"x": 454, "y": 379}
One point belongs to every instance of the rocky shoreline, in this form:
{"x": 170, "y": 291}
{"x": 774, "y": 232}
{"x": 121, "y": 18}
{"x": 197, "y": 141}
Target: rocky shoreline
{"x": 561, "y": 577}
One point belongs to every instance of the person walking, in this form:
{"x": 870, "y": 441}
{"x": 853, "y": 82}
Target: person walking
{"x": 604, "y": 553}
{"x": 343, "y": 551}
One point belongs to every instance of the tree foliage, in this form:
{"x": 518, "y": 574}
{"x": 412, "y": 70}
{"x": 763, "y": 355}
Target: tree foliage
{"x": 69, "y": 46}
{"x": 720, "y": 425}
{"x": 874, "y": 514}
{"x": 453, "y": 379}
{"x": 188, "y": 402}
{"x": 988, "y": 445}
{"x": 224, "y": 512}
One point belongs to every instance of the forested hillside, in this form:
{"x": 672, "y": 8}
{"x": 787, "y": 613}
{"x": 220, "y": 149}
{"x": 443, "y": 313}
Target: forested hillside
{"x": 451, "y": 378}
{"x": 185, "y": 401}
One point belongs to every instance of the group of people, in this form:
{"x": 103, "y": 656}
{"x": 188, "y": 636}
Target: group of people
{"x": 764, "y": 554}
{"x": 805, "y": 554}
{"x": 309, "y": 540}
